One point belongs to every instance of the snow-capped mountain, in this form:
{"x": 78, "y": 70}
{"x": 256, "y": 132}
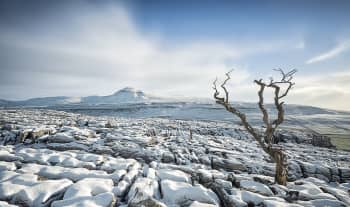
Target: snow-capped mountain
{"x": 125, "y": 95}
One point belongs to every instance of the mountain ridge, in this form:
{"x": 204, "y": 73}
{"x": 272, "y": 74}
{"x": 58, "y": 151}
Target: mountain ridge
{"x": 124, "y": 95}
{"x": 130, "y": 95}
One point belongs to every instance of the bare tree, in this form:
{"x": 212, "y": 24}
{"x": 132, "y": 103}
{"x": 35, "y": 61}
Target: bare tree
{"x": 281, "y": 89}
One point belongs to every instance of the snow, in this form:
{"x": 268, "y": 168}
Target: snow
{"x": 117, "y": 164}
{"x": 121, "y": 188}
{"x": 5, "y": 204}
{"x": 89, "y": 187}
{"x": 198, "y": 204}
{"x": 340, "y": 194}
{"x": 179, "y": 192}
{"x": 101, "y": 200}
{"x": 74, "y": 174}
{"x": 41, "y": 193}
{"x": 61, "y": 138}
{"x": 255, "y": 187}
{"x": 8, "y": 157}
{"x": 175, "y": 175}
{"x": 250, "y": 197}
{"x": 12, "y": 183}
{"x": 7, "y": 166}
{"x": 154, "y": 162}
{"x": 310, "y": 191}
{"x": 147, "y": 186}
{"x": 131, "y": 175}
{"x": 272, "y": 203}
{"x": 322, "y": 203}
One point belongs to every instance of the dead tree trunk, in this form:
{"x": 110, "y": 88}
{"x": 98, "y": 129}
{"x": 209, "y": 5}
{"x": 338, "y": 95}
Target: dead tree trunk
{"x": 265, "y": 139}
{"x": 281, "y": 166}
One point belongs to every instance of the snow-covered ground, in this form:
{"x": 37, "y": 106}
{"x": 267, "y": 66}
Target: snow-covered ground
{"x": 56, "y": 158}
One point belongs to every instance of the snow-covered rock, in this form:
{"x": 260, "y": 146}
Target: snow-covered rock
{"x": 8, "y": 157}
{"x": 322, "y": 203}
{"x": 88, "y": 187}
{"x": 273, "y": 203}
{"x": 256, "y": 199}
{"x": 174, "y": 175}
{"x": 156, "y": 162}
{"x": 148, "y": 187}
{"x": 5, "y": 204}
{"x": 256, "y": 187}
{"x": 61, "y": 138}
{"x": 198, "y": 204}
{"x": 7, "y": 166}
{"x": 180, "y": 192}
{"x": 310, "y": 191}
{"x": 11, "y": 183}
{"x": 42, "y": 194}
{"x": 100, "y": 200}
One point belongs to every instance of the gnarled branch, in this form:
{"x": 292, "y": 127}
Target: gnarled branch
{"x": 265, "y": 139}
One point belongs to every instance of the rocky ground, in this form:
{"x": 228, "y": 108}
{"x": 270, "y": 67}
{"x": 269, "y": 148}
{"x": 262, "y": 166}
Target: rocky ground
{"x": 54, "y": 158}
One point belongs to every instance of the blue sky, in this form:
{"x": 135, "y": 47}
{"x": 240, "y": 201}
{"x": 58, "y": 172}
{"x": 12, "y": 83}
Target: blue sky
{"x": 174, "y": 48}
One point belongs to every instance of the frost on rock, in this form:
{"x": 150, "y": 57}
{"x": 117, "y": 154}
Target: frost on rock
{"x": 55, "y": 158}
{"x": 256, "y": 199}
{"x": 61, "y": 138}
{"x": 8, "y": 157}
{"x": 117, "y": 164}
{"x": 148, "y": 187}
{"x": 198, "y": 204}
{"x": 12, "y": 183}
{"x": 180, "y": 192}
{"x": 174, "y": 175}
{"x": 42, "y": 194}
{"x": 255, "y": 187}
{"x": 272, "y": 203}
{"x": 5, "y": 204}
{"x": 309, "y": 191}
{"x": 322, "y": 203}
{"x": 101, "y": 200}
{"x": 7, "y": 166}
{"x": 88, "y": 187}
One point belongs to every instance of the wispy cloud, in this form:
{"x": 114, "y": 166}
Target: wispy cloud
{"x": 105, "y": 47}
{"x": 340, "y": 48}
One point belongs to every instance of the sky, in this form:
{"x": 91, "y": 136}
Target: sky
{"x": 175, "y": 48}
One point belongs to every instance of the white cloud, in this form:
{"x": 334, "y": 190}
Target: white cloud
{"x": 340, "y": 48}
{"x": 324, "y": 90}
{"x": 102, "y": 50}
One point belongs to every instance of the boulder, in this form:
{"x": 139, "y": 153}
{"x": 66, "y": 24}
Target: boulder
{"x": 174, "y": 175}
{"x": 100, "y": 200}
{"x": 322, "y": 203}
{"x": 88, "y": 187}
{"x": 228, "y": 164}
{"x": 147, "y": 187}
{"x": 256, "y": 187}
{"x": 180, "y": 192}
{"x": 168, "y": 157}
{"x": 42, "y": 194}
{"x": 61, "y": 138}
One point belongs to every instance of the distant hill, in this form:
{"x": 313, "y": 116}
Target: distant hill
{"x": 125, "y": 95}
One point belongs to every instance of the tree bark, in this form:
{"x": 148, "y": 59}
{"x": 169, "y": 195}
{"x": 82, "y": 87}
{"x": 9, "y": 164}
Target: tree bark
{"x": 265, "y": 139}
{"x": 281, "y": 172}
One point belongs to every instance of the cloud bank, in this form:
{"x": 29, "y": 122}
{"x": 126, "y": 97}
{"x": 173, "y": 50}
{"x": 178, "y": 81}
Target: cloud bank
{"x": 99, "y": 50}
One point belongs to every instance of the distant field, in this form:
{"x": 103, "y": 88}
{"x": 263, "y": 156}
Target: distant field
{"x": 341, "y": 141}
